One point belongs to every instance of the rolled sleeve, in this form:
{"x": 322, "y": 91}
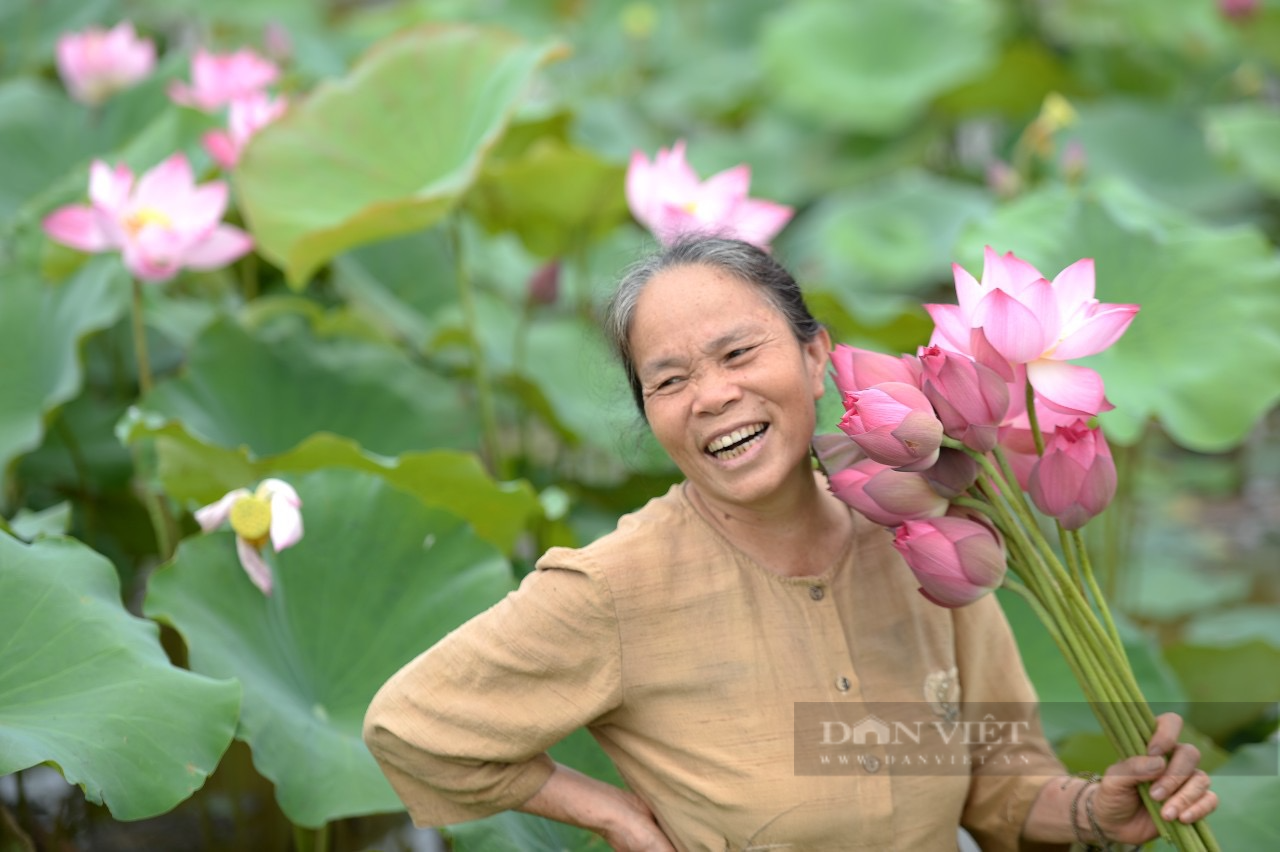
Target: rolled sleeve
{"x": 461, "y": 731}
{"x": 991, "y": 671}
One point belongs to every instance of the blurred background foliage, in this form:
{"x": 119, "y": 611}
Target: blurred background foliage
{"x": 413, "y": 346}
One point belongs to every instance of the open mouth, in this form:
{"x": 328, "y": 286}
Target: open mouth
{"x": 737, "y": 442}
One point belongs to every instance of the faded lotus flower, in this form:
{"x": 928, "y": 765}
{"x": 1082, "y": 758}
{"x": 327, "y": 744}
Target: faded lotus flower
{"x": 272, "y": 512}
{"x": 220, "y": 79}
{"x": 667, "y": 198}
{"x": 246, "y": 117}
{"x": 96, "y": 63}
{"x": 161, "y": 225}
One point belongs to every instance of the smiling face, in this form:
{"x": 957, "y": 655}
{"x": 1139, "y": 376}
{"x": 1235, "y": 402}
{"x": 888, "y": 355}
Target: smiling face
{"x": 728, "y": 390}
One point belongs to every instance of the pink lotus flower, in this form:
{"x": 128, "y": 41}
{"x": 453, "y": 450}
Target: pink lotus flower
{"x": 272, "y": 512}
{"x": 955, "y": 560}
{"x": 857, "y": 369}
{"x": 970, "y": 399}
{"x": 1031, "y": 321}
{"x": 161, "y": 225}
{"x": 894, "y": 424}
{"x": 887, "y": 496}
{"x": 97, "y": 63}
{"x": 1075, "y": 479}
{"x": 952, "y": 474}
{"x": 667, "y": 198}
{"x": 220, "y": 79}
{"x": 246, "y": 117}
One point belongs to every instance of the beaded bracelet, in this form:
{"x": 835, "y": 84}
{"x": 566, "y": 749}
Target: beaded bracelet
{"x": 1090, "y": 778}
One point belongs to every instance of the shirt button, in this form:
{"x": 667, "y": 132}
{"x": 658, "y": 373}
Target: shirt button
{"x": 872, "y": 763}
{"x": 817, "y": 592}
{"x": 842, "y": 684}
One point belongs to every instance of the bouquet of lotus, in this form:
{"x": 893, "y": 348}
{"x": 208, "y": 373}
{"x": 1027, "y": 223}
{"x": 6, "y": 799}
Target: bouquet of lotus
{"x": 973, "y": 448}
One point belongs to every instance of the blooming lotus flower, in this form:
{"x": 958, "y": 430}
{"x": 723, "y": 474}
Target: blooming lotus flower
{"x": 220, "y": 79}
{"x": 246, "y": 117}
{"x": 955, "y": 560}
{"x": 894, "y": 424}
{"x": 857, "y": 369}
{"x": 667, "y": 198}
{"x": 1031, "y": 321}
{"x": 161, "y": 225}
{"x": 970, "y": 399}
{"x": 887, "y": 496}
{"x": 97, "y": 63}
{"x": 272, "y": 512}
{"x": 1075, "y": 479}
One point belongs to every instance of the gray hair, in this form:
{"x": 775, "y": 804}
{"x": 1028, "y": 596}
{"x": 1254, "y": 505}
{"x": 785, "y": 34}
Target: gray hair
{"x": 742, "y": 260}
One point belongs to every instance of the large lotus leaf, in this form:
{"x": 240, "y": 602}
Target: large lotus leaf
{"x": 890, "y": 237}
{"x": 1203, "y": 354}
{"x": 874, "y": 67}
{"x": 556, "y": 197}
{"x": 1191, "y": 28}
{"x": 1063, "y": 707}
{"x": 269, "y": 389}
{"x": 377, "y": 578}
{"x": 86, "y": 687}
{"x": 1250, "y": 133}
{"x": 387, "y": 150}
{"x": 1248, "y": 787}
{"x": 1161, "y": 149}
{"x": 41, "y": 327}
{"x": 198, "y": 473}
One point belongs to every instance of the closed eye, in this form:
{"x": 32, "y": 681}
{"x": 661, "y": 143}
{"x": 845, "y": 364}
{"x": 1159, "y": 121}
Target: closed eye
{"x": 739, "y": 352}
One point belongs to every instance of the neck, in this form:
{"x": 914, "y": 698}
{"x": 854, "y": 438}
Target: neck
{"x": 800, "y": 530}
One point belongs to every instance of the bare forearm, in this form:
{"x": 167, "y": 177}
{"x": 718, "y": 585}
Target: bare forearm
{"x": 1049, "y": 820}
{"x": 570, "y": 797}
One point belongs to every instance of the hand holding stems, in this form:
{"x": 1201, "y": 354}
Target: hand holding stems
{"x": 1177, "y": 783}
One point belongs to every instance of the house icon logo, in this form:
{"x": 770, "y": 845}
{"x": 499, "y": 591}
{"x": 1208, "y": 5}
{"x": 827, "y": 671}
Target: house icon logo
{"x": 871, "y": 730}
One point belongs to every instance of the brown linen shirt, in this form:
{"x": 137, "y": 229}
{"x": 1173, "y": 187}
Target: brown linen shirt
{"x": 687, "y": 661}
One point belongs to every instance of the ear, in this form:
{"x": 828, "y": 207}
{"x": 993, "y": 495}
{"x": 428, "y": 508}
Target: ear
{"x": 817, "y": 354}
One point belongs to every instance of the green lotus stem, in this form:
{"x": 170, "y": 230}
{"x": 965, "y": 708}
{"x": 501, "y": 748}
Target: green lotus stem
{"x": 311, "y": 839}
{"x": 1033, "y": 420}
{"x": 484, "y": 389}
{"x": 1086, "y": 569}
{"x": 140, "y": 341}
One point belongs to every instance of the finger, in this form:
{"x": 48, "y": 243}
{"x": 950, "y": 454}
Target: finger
{"x": 1207, "y": 804}
{"x": 1182, "y": 766}
{"x": 1188, "y": 798}
{"x": 1168, "y": 727}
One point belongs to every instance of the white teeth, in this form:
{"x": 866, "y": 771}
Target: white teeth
{"x": 717, "y": 447}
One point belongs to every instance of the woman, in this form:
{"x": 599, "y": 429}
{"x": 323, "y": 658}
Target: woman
{"x": 696, "y": 639}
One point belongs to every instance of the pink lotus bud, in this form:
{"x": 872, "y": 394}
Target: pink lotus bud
{"x": 96, "y": 63}
{"x": 953, "y": 473}
{"x": 887, "y": 496}
{"x": 857, "y": 369}
{"x": 1075, "y": 479}
{"x": 1003, "y": 179}
{"x": 1074, "y": 161}
{"x": 970, "y": 399}
{"x": 955, "y": 560}
{"x": 544, "y": 285}
{"x": 835, "y": 452}
{"x": 277, "y": 42}
{"x": 245, "y": 118}
{"x": 1238, "y": 9}
{"x": 894, "y": 424}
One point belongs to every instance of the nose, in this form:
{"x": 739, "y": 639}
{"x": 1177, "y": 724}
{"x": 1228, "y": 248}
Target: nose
{"x": 715, "y": 389}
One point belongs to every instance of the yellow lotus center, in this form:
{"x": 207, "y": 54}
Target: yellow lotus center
{"x": 690, "y": 206}
{"x": 144, "y": 216}
{"x": 251, "y": 519}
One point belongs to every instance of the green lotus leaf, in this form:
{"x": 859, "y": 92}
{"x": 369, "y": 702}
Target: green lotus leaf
{"x": 85, "y": 686}
{"x": 389, "y": 149}
{"x": 875, "y": 67}
{"x": 1202, "y": 355}
{"x": 1250, "y": 134}
{"x": 270, "y": 389}
{"x": 377, "y": 578}
{"x": 1248, "y": 787}
{"x": 41, "y": 327}
{"x": 197, "y": 473}
{"x": 555, "y": 197}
